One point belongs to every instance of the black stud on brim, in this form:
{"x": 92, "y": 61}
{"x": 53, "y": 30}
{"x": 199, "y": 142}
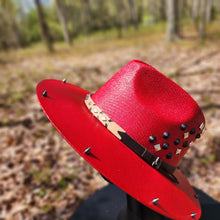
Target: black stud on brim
{"x": 44, "y": 93}
{"x": 87, "y": 150}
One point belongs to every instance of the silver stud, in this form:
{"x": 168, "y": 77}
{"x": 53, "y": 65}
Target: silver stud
{"x": 155, "y": 201}
{"x": 64, "y": 80}
{"x": 104, "y": 118}
{"x": 178, "y": 150}
{"x": 95, "y": 110}
{"x": 186, "y": 135}
{"x": 190, "y": 143}
{"x": 87, "y": 96}
{"x": 157, "y": 147}
{"x": 193, "y": 215}
{"x": 203, "y": 130}
{"x": 87, "y": 150}
{"x": 201, "y": 126}
{"x": 44, "y": 93}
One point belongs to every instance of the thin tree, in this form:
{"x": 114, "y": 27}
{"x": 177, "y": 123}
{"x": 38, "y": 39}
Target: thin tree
{"x": 63, "y": 21}
{"x": 195, "y": 13}
{"x": 45, "y": 32}
{"x": 10, "y": 33}
{"x": 140, "y": 11}
{"x": 202, "y": 26}
{"x": 209, "y": 10}
{"x": 153, "y": 11}
{"x": 163, "y": 9}
{"x": 133, "y": 13}
{"x": 86, "y": 16}
{"x": 173, "y": 29}
{"x": 119, "y": 17}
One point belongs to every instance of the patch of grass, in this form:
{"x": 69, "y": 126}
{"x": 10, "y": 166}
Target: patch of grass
{"x": 204, "y": 161}
{"x": 39, "y": 133}
{"x": 57, "y": 196}
{"x": 70, "y": 177}
{"x": 5, "y": 122}
{"x": 46, "y": 208}
{"x": 210, "y": 159}
{"x": 207, "y": 99}
{"x": 29, "y": 88}
{"x": 41, "y": 176}
{"x": 63, "y": 184}
{"x": 42, "y": 193}
{"x": 213, "y": 111}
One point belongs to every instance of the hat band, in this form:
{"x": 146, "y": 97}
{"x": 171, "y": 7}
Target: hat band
{"x": 154, "y": 161}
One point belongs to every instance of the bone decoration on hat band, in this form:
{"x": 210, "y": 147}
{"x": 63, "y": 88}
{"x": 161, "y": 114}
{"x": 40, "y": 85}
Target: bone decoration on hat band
{"x": 137, "y": 148}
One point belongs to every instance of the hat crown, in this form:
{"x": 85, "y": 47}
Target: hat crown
{"x": 152, "y": 109}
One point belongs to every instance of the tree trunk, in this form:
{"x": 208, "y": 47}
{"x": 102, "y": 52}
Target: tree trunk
{"x": 209, "y": 10}
{"x": 202, "y": 27}
{"x": 153, "y": 11}
{"x": 133, "y": 13}
{"x": 195, "y": 13}
{"x": 17, "y": 34}
{"x": 86, "y": 16}
{"x": 140, "y": 11}
{"x": 163, "y": 10}
{"x": 45, "y": 33}
{"x": 218, "y": 6}
{"x": 177, "y": 17}
{"x": 63, "y": 21}
{"x": 120, "y": 19}
{"x": 172, "y": 20}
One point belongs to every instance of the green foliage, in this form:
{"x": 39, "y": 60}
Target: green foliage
{"x": 46, "y": 208}
{"x": 42, "y": 193}
{"x": 20, "y": 27}
{"x": 63, "y": 184}
{"x": 210, "y": 159}
{"x": 31, "y": 30}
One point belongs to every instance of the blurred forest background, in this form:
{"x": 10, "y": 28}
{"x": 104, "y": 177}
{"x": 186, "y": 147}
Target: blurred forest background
{"x": 87, "y": 42}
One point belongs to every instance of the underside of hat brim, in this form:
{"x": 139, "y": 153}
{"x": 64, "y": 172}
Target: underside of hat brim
{"x": 65, "y": 107}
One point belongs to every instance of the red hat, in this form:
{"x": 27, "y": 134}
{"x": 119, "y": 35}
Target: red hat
{"x": 134, "y": 130}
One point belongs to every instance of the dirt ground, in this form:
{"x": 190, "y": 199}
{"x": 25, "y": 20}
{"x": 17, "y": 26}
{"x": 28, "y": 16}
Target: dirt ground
{"x": 41, "y": 176}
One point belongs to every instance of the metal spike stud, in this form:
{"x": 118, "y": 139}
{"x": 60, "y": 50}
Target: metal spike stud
{"x": 44, "y": 93}
{"x": 64, "y": 80}
{"x": 193, "y": 215}
{"x": 152, "y": 139}
{"x": 155, "y": 201}
{"x": 87, "y": 150}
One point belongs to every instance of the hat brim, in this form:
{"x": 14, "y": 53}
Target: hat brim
{"x": 66, "y": 109}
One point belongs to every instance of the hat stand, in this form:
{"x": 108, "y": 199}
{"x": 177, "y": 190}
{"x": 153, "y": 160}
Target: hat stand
{"x": 111, "y": 203}
{"x": 137, "y": 211}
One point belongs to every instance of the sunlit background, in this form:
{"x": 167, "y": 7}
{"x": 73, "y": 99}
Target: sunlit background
{"x": 87, "y": 42}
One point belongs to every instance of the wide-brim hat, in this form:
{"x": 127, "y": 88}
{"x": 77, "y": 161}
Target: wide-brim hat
{"x": 134, "y": 130}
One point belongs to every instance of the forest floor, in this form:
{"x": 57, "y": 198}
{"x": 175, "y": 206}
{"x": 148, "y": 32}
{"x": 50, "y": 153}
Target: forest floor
{"x": 41, "y": 176}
